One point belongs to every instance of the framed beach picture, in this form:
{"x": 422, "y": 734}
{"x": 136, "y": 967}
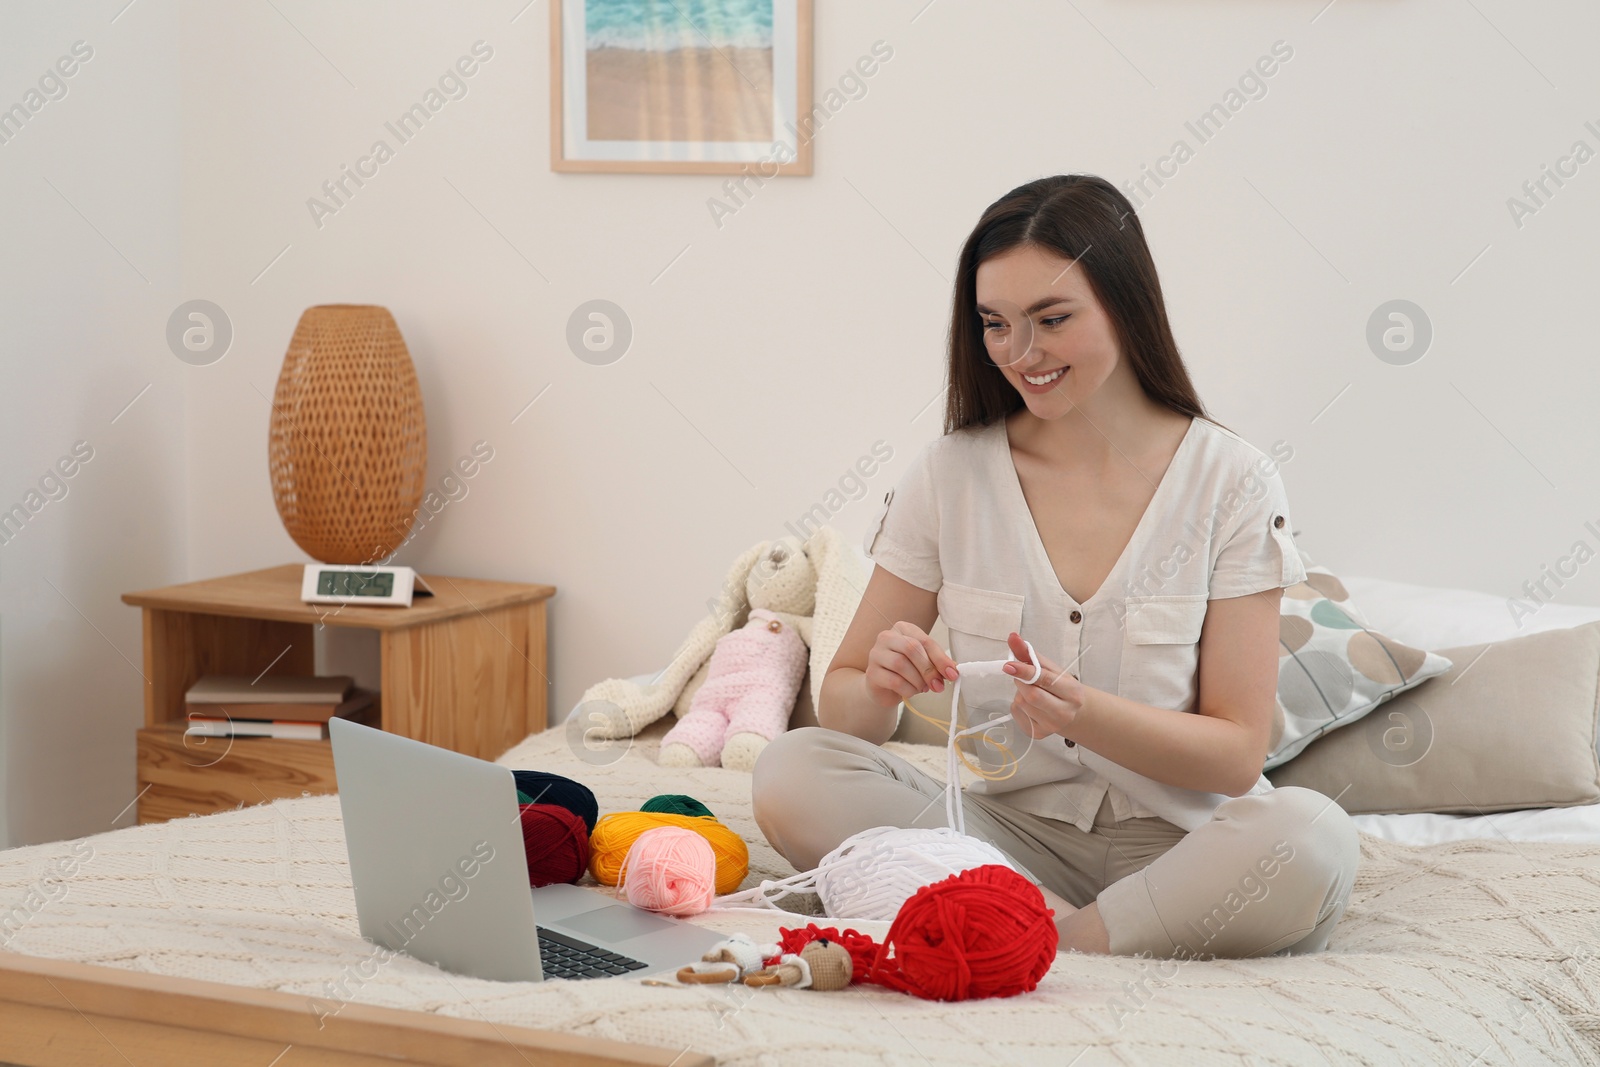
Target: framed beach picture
{"x": 680, "y": 86}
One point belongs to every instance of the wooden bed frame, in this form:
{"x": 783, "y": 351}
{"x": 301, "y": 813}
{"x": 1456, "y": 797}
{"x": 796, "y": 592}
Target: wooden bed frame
{"x": 56, "y": 1013}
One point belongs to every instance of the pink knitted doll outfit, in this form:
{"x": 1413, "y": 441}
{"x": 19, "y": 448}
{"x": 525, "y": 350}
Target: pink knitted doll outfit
{"x": 750, "y": 688}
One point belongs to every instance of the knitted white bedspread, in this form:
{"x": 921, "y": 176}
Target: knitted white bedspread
{"x": 1472, "y": 952}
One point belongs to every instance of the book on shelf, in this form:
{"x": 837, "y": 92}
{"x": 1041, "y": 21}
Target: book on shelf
{"x": 283, "y": 731}
{"x": 287, "y": 698}
{"x": 226, "y": 720}
{"x": 274, "y": 689}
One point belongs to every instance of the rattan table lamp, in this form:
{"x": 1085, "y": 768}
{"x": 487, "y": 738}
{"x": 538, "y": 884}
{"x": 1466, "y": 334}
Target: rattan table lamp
{"x": 347, "y": 445}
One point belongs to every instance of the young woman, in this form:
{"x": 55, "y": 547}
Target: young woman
{"x": 1081, "y": 499}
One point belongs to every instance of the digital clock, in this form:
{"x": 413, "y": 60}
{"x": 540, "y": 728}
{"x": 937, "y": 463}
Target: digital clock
{"x": 363, "y": 584}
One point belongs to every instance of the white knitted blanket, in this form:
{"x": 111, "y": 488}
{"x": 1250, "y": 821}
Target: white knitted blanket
{"x": 1479, "y": 952}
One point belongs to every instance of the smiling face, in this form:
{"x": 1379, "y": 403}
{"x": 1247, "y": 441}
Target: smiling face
{"x": 1041, "y": 321}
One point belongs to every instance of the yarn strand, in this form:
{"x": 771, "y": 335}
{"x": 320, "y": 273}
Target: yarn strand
{"x": 954, "y": 816}
{"x": 871, "y": 874}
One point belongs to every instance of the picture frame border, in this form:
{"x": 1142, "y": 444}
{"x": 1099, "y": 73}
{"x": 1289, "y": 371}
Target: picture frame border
{"x": 800, "y": 166}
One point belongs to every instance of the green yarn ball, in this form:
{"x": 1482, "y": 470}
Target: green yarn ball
{"x": 676, "y": 804}
{"x": 523, "y": 798}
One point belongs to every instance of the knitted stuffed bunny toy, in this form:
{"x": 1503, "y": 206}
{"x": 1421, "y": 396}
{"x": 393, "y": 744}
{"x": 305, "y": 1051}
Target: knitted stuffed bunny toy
{"x": 811, "y": 587}
{"x": 746, "y": 699}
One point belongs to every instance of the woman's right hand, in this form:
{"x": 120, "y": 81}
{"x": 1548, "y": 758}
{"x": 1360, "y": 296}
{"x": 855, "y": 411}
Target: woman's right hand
{"x": 903, "y": 662}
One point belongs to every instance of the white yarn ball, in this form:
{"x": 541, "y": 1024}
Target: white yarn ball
{"x": 872, "y": 873}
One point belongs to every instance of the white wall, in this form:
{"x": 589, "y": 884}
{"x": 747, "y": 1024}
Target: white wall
{"x": 91, "y": 264}
{"x": 1377, "y": 166}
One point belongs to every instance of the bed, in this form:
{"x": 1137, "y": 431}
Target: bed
{"x": 232, "y": 938}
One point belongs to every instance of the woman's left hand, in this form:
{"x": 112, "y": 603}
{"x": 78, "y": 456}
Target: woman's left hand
{"x": 1049, "y": 705}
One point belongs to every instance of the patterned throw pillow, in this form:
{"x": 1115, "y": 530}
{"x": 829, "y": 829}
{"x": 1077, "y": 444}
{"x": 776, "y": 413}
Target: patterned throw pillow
{"x": 1332, "y": 668}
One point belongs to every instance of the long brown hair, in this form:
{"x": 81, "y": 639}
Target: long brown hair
{"x": 1083, "y": 218}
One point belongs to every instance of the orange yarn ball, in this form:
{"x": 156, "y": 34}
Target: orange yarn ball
{"x": 615, "y": 834}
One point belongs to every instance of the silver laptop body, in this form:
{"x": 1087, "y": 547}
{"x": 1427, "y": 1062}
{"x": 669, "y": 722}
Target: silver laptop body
{"x": 437, "y": 861}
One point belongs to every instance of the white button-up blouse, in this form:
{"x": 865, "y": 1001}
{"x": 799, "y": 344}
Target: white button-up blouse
{"x": 957, "y": 523}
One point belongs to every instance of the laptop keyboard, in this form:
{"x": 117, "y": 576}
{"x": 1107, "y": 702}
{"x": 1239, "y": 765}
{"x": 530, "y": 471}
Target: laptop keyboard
{"x": 567, "y": 957}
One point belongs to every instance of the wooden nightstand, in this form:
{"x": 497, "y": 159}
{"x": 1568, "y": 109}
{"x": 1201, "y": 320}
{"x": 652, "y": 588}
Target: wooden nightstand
{"x": 464, "y": 669}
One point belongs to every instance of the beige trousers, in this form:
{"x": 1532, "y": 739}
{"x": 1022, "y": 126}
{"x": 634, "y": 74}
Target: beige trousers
{"x": 1268, "y": 874}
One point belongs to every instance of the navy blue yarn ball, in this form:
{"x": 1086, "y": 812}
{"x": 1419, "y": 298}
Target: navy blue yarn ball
{"x": 545, "y": 788}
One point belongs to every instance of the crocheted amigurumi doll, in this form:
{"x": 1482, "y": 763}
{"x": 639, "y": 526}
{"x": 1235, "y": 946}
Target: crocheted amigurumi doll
{"x": 727, "y": 961}
{"x": 822, "y": 965}
{"x": 811, "y": 586}
{"x": 746, "y": 700}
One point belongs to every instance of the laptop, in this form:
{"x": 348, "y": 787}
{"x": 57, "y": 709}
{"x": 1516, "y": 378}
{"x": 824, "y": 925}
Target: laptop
{"x": 436, "y": 857}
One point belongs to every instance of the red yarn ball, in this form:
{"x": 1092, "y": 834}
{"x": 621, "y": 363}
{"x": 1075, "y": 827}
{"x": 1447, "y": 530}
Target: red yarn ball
{"x": 985, "y": 932}
{"x": 556, "y": 843}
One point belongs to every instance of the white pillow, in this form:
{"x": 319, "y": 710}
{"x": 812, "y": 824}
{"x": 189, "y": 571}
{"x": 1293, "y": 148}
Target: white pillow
{"x": 1437, "y": 617}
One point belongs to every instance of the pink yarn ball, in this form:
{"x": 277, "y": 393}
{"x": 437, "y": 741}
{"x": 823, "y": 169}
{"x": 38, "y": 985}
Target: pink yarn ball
{"x": 670, "y": 870}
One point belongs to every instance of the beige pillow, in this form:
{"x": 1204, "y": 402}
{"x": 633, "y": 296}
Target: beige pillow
{"x": 1512, "y": 724}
